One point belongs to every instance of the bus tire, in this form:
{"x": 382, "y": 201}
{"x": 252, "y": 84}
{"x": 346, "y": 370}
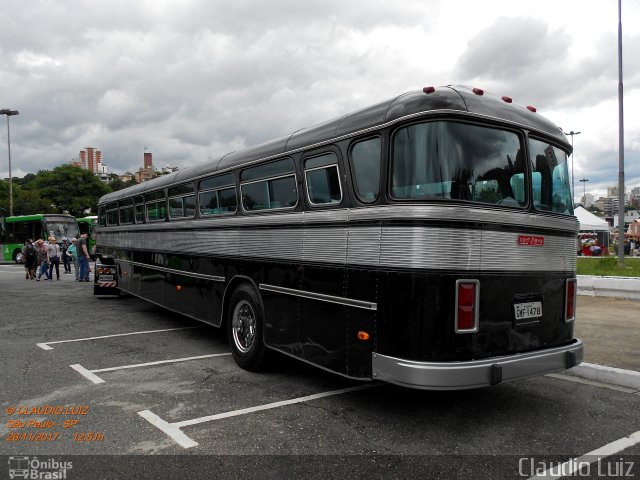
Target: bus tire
{"x": 17, "y": 256}
{"x": 245, "y": 321}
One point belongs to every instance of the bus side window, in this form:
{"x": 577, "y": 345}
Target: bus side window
{"x": 182, "y": 201}
{"x": 322, "y": 179}
{"x": 217, "y": 195}
{"x": 156, "y": 206}
{"x": 126, "y": 211}
{"x": 277, "y": 187}
{"x": 139, "y": 209}
{"x": 366, "y": 159}
{"x": 102, "y": 217}
{"x": 112, "y": 214}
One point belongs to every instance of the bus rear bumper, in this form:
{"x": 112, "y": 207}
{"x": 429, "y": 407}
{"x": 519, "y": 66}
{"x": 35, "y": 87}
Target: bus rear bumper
{"x": 475, "y": 373}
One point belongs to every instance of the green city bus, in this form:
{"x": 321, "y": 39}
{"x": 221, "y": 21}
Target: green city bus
{"x": 14, "y": 231}
{"x": 87, "y": 225}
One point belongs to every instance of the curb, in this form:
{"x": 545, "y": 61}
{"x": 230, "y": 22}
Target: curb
{"x": 601, "y": 373}
{"x": 624, "y": 287}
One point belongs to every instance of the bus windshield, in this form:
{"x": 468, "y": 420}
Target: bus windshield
{"x": 60, "y": 228}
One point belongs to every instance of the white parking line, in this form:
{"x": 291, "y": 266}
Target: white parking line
{"x": 174, "y": 431}
{"x": 90, "y": 374}
{"x": 580, "y": 464}
{"x": 45, "y": 345}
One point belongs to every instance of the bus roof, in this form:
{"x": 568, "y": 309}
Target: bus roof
{"x": 451, "y": 98}
{"x": 37, "y": 216}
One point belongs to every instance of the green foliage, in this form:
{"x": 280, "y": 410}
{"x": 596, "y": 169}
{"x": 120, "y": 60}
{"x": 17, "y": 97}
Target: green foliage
{"x": 26, "y": 202}
{"x": 70, "y": 189}
{"x": 608, "y": 267}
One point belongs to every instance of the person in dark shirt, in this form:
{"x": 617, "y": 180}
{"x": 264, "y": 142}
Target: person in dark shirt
{"x": 83, "y": 257}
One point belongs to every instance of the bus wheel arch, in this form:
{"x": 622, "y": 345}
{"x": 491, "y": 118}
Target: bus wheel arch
{"x": 244, "y": 321}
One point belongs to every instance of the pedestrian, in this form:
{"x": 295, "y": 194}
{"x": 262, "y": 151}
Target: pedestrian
{"x": 83, "y": 257}
{"x": 30, "y": 259}
{"x": 66, "y": 259}
{"x": 54, "y": 258}
{"x": 43, "y": 257}
{"x": 72, "y": 253}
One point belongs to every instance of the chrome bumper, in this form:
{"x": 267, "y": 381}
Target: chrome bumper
{"x": 475, "y": 373}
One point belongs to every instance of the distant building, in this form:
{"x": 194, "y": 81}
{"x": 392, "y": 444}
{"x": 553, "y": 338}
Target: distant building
{"x": 167, "y": 170}
{"x": 91, "y": 159}
{"x": 587, "y": 200}
{"x": 146, "y": 172}
{"x": 102, "y": 173}
{"x": 126, "y": 176}
{"x": 608, "y": 205}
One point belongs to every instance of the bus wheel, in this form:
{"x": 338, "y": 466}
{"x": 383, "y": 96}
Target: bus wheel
{"x": 17, "y": 256}
{"x": 244, "y": 327}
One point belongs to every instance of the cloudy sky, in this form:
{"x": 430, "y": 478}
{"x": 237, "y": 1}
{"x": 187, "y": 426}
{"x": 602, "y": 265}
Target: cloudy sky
{"x": 193, "y": 79}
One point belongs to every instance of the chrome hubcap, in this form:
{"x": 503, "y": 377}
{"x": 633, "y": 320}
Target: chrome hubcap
{"x": 243, "y": 326}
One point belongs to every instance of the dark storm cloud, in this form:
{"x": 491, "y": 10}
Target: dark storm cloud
{"x": 197, "y": 78}
{"x": 525, "y": 58}
{"x": 188, "y": 79}
{"x": 535, "y": 62}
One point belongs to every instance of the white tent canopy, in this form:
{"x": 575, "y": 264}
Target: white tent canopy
{"x": 589, "y": 222}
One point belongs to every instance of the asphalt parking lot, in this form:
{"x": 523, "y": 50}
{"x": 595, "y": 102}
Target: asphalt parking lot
{"x": 155, "y": 393}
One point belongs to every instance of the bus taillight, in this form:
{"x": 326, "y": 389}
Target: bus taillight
{"x": 570, "y": 300}
{"x": 467, "y": 304}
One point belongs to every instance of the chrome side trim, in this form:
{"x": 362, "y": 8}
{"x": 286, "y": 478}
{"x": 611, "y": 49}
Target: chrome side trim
{"x": 395, "y": 246}
{"x": 475, "y": 373}
{"x": 202, "y": 276}
{"x": 349, "y": 302}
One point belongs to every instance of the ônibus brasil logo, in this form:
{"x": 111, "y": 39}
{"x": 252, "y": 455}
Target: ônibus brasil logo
{"x": 34, "y": 468}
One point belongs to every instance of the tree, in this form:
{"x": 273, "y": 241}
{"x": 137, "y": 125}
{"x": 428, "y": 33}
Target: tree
{"x": 115, "y": 183}
{"x": 70, "y": 189}
{"x": 27, "y": 202}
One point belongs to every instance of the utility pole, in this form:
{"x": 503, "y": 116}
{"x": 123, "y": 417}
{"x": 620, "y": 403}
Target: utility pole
{"x": 573, "y": 183}
{"x": 620, "y": 145}
{"x": 8, "y": 112}
{"x": 584, "y": 184}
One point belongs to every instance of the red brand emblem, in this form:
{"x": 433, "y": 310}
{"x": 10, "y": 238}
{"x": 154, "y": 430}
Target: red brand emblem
{"x": 530, "y": 240}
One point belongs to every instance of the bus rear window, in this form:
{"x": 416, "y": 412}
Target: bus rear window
{"x": 450, "y": 160}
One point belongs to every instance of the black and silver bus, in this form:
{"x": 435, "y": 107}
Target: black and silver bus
{"x": 427, "y": 241}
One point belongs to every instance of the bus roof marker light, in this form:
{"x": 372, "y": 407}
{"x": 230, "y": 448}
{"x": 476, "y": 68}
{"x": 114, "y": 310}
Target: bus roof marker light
{"x": 533, "y": 109}
{"x": 478, "y": 91}
{"x": 429, "y": 90}
{"x": 507, "y": 99}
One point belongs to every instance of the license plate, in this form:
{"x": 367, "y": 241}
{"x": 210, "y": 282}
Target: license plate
{"x": 105, "y": 278}
{"x": 528, "y": 310}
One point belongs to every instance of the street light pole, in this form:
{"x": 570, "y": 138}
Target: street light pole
{"x": 8, "y": 113}
{"x": 620, "y": 145}
{"x": 573, "y": 184}
{"x": 584, "y": 191}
